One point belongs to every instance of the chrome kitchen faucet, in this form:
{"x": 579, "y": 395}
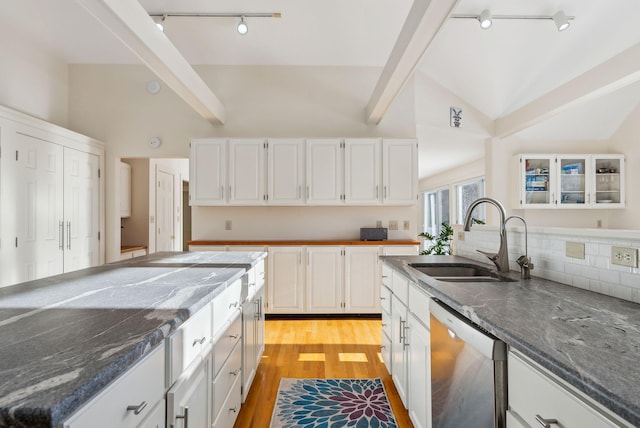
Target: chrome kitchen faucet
{"x": 501, "y": 258}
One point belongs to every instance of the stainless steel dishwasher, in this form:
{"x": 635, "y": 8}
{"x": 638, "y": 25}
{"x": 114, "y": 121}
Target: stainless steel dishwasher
{"x": 468, "y": 372}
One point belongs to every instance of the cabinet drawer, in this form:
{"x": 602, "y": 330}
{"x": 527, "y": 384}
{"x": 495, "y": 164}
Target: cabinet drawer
{"x": 128, "y": 400}
{"x": 386, "y": 275}
{"x": 230, "y": 408}
{"x": 534, "y": 391}
{"x": 156, "y": 417}
{"x": 189, "y": 341}
{"x": 386, "y": 323}
{"x": 419, "y": 303}
{"x": 223, "y": 382}
{"x": 226, "y": 342}
{"x": 225, "y": 306}
{"x": 385, "y": 299}
{"x": 400, "y": 287}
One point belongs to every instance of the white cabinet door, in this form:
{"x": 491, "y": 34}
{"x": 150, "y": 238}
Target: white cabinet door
{"x": 81, "y": 210}
{"x": 125, "y": 190}
{"x": 247, "y": 172}
{"x": 419, "y": 373}
{"x": 208, "y": 172}
{"x": 285, "y": 287}
{"x": 607, "y": 183}
{"x": 537, "y": 184}
{"x": 324, "y": 280}
{"x": 572, "y": 172}
{"x": 399, "y": 172}
{"x": 362, "y": 280}
{"x": 399, "y": 363}
{"x": 38, "y": 184}
{"x": 325, "y": 171}
{"x": 190, "y": 397}
{"x": 286, "y": 172}
{"x": 362, "y": 171}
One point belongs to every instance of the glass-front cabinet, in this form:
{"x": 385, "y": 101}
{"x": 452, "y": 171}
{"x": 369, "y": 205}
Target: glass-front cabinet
{"x": 571, "y": 181}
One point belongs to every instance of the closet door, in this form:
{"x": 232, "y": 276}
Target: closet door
{"x": 81, "y": 210}
{"x": 38, "y": 182}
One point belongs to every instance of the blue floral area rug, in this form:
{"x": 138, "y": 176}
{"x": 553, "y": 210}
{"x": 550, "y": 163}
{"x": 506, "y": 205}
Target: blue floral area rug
{"x": 332, "y": 403}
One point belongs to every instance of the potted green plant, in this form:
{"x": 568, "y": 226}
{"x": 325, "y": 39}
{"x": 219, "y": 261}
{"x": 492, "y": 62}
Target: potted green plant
{"x": 440, "y": 244}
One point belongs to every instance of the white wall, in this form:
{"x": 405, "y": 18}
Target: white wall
{"x": 33, "y": 80}
{"x": 110, "y": 102}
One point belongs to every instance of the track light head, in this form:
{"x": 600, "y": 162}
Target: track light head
{"x": 485, "y": 19}
{"x": 159, "y": 20}
{"x": 243, "y": 28}
{"x": 561, "y": 20}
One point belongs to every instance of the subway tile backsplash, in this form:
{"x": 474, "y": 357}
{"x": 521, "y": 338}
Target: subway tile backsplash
{"x": 546, "y": 247}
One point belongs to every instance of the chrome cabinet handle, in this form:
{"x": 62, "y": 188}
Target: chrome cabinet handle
{"x": 233, "y": 305}
{"x": 185, "y": 417}
{"x": 137, "y": 409}
{"x": 199, "y": 341}
{"x": 377, "y": 192}
{"x": 546, "y": 423}
{"x": 385, "y": 192}
{"x": 383, "y": 298}
{"x": 234, "y": 373}
{"x": 68, "y": 235}
{"x": 233, "y": 409}
{"x": 404, "y": 335}
{"x": 233, "y": 336}
{"x": 401, "y": 338}
{"x": 61, "y": 237}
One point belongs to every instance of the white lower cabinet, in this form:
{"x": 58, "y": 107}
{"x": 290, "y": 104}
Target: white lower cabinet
{"x": 253, "y": 339}
{"x": 324, "y": 280}
{"x": 406, "y": 343}
{"x": 189, "y": 399}
{"x": 536, "y": 396}
{"x": 128, "y": 400}
{"x": 227, "y": 374}
{"x": 285, "y": 286}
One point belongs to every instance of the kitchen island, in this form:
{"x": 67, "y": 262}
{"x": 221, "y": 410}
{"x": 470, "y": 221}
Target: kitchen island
{"x": 63, "y": 339}
{"x": 588, "y": 340}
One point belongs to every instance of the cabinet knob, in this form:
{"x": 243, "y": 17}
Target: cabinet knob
{"x": 546, "y": 423}
{"x": 137, "y": 409}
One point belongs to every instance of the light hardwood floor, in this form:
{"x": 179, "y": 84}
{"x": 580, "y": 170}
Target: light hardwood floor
{"x": 320, "y": 348}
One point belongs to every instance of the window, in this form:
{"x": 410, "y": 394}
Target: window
{"x": 436, "y": 210}
{"x": 466, "y": 193}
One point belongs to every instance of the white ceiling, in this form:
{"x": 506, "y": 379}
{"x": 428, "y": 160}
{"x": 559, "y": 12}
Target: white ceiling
{"x": 497, "y": 72}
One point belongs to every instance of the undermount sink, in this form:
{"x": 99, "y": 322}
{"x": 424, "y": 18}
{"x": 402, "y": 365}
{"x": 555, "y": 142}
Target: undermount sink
{"x": 459, "y": 272}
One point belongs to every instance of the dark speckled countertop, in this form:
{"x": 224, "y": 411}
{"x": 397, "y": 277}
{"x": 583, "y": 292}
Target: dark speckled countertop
{"x": 64, "y": 338}
{"x": 590, "y": 340}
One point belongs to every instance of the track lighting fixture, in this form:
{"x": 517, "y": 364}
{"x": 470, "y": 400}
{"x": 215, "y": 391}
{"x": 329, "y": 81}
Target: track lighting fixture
{"x": 243, "y": 27}
{"x": 486, "y": 19}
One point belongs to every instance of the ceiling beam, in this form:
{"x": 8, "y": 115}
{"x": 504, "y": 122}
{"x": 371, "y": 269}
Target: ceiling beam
{"x": 618, "y": 72}
{"x": 423, "y": 22}
{"x": 128, "y": 21}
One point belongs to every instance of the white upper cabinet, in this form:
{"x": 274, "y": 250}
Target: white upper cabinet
{"x": 247, "y": 172}
{"x": 325, "y": 171}
{"x": 362, "y": 171}
{"x": 286, "y": 172}
{"x": 321, "y": 171}
{"x": 399, "y": 172}
{"x": 208, "y": 172}
{"x": 571, "y": 181}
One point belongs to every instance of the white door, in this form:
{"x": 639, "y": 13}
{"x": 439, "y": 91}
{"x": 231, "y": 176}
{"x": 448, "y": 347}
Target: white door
{"x": 324, "y": 280}
{"x": 362, "y": 171}
{"x": 399, "y": 172}
{"x": 285, "y": 167}
{"x": 81, "y": 210}
{"x": 399, "y": 366}
{"x": 362, "y": 280}
{"x": 165, "y": 224}
{"x": 247, "y": 172}
{"x": 286, "y": 280}
{"x": 208, "y": 172}
{"x": 39, "y": 212}
{"x": 419, "y": 373}
{"x": 325, "y": 172}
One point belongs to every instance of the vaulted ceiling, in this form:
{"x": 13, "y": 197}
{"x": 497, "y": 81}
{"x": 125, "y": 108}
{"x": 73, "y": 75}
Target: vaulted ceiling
{"x": 523, "y": 76}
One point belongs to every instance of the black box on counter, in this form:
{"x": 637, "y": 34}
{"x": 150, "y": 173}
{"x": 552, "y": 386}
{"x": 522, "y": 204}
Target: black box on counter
{"x": 373, "y": 233}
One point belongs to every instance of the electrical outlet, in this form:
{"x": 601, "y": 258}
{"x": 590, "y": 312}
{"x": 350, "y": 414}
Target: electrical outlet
{"x": 378, "y": 223}
{"x": 461, "y": 235}
{"x": 407, "y": 225}
{"x": 393, "y": 225}
{"x": 624, "y": 256}
{"x": 227, "y": 225}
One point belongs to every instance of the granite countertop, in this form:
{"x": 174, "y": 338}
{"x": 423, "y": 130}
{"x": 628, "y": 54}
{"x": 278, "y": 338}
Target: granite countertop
{"x": 64, "y": 338}
{"x": 590, "y": 340}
